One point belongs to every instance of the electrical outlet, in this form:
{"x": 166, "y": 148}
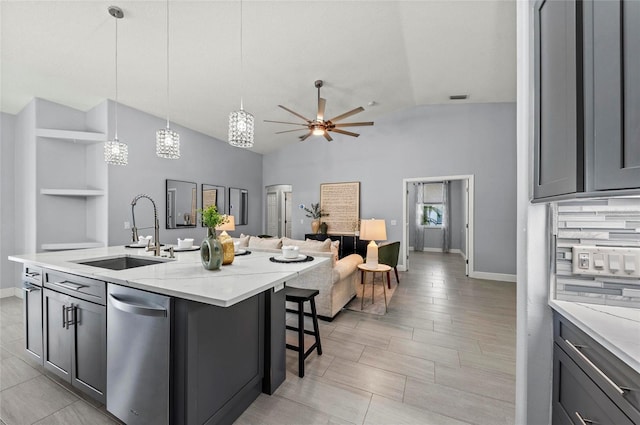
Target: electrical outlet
{"x": 394, "y": 222}
{"x": 606, "y": 261}
{"x": 127, "y": 225}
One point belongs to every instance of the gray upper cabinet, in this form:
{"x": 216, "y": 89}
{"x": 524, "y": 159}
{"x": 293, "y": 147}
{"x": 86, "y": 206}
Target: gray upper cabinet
{"x": 558, "y": 101}
{"x": 612, "y": 87}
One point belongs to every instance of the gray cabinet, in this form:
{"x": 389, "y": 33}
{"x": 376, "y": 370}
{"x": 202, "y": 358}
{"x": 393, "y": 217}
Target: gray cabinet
{"x": 589, "y": 382}
{"x": 558, "y": 150}
{"x": 32, "y": 308}
{"x": 75, "y": 332}
{"x": 612, "y": 88}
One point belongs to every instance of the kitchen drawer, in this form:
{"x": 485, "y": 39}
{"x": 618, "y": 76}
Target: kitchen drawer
{"x": 618, "y": 380}
{"x": 577, "y": 400}
{"x": 77, "y": 286}
{"x": 32, "y": 275}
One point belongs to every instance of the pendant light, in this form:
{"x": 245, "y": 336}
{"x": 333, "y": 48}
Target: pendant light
{"x": 241, "y": 123}
{"x": 115, "y": 151}
{"x": 167, "y": 140}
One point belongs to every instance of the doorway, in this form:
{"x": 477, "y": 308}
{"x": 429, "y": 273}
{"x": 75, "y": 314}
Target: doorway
{"x": 278, "y": 200}
{"x": 466, "y": 226}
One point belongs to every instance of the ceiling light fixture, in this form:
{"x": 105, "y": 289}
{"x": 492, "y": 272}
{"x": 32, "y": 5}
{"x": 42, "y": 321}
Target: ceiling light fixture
{"x": 241, "y": 123}
{"x": 167, "y": 140}
{"x": 115, "y": 151}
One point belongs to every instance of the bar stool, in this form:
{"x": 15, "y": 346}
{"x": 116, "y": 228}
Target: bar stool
{"x": 300, "y": 296}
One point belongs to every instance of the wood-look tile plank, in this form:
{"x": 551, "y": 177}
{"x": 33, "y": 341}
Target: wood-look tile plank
{"x": 488, "y": 362}
{"x": 385, "y": 328}
{"x": 425, "y": 351}
{"x": 327, "y": 396}
{"x": 477, "y": 381}
{"x": 276, "y": 410}
{"x": 398, "y": 363}
{"x": 360, "y": 336}
{"x": 14, "y": 371}
{"x": 445, "y": 340}
{"x": 314, "y": 364}
{"x": 33, "y": 400}
{"x": 78, "y": 413}
{"x": 367, "y": 378}
{"x": 343, "y": 349}
{"x": 384, "y": 411}
{"x": 455, "y": 403}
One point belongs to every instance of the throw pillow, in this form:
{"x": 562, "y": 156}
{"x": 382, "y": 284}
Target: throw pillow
{"x": 244, "y": 241}
{"x": 266, "y": 243}
{"x": 309, "y": 245}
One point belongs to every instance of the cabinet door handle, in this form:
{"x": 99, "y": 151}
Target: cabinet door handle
{"x": 615, "y": 386}
{"x": 584, "y": 421}
{"x": 27, "y": 287}
{"x": 64, "y": 316}
{"x": 69, "y": 285}
{"x": 32, "y": 274}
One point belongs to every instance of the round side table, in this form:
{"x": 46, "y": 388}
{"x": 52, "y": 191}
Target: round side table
{"x": 381, "y": 268}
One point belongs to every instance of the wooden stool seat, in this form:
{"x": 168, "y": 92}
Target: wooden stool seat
{"x": 300, "y": 296}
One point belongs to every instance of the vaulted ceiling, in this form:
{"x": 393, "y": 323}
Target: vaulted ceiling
{"x": 395, "y": 54}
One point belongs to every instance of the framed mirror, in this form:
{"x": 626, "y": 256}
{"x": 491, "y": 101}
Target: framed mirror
{"x": 213, "y": 195}
{"x": 238, "y": 205}
{"x": 182, "y": 201}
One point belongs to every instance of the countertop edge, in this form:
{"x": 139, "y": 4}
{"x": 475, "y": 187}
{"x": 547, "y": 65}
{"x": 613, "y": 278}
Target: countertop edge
{"x": 572, "y": 312}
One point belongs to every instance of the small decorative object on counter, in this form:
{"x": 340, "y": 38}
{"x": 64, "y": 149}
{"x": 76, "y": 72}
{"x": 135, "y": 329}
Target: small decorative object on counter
{"x": 211, "y": 249}
{"x": 228, "y": 249}
{"x": 316, "y": 213}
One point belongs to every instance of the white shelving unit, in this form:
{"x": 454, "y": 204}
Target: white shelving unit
{"x": 73, "y": 192}
{"x": 72, "y": 176}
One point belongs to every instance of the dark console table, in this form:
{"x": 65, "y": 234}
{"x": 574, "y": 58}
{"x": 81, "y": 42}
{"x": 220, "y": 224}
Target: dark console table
{"x": 349, "y": 244}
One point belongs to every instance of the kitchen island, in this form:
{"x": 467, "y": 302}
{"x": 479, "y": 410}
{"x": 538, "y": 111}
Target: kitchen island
{"x": 224, "y": 338}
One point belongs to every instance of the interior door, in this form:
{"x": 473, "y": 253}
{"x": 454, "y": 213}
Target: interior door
{"x": 272, "y": 214}
{"x": 465, "y": 207}
{"x": 288, "y": 198}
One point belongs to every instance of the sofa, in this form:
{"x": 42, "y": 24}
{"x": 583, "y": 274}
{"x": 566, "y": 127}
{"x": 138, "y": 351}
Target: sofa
{"x": 336, "y": 280}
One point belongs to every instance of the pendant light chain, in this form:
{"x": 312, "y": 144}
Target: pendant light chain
{"x": 168, "y": 64}
{"x": 116, "y": 62}
{"x": 241, "y": 59}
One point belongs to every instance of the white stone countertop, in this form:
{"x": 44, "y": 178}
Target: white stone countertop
{"x": 615, "y": 328}
{"x": 182, "y": 277}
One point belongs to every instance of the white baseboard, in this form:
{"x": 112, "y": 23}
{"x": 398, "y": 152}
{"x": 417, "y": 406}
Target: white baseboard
{"x": 10, "y": 292}
{"x": 503, "y": 277}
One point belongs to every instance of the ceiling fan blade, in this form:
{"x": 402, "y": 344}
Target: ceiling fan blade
{"x": 352, "y": 124}
{"x": 347, "y": 114}
{"x": 348, "y": 133}
{"x": 289, "y": 131}
{"x": 306, "y": 136}
{"x": 295, "y": 113}
{"x": 322, "y": 103}
{"x": 326, "y": 136}
{"x": 285, "y": 122}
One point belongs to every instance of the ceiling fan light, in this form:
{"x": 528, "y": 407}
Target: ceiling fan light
{"x": 167, "y": 143}
{"x": 318, "y": 131}
{"x": 241, "y": 124}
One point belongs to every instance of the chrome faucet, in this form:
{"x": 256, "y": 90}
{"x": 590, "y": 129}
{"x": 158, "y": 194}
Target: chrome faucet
{"x": 156, "y": 226}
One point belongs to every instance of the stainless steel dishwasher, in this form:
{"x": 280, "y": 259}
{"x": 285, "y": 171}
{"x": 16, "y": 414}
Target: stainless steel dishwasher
{"x": 138, "y": 359}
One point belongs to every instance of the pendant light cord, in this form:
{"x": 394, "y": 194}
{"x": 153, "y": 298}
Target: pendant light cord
{"x": 241, "y": 61}
{"x": 116, "y": 62}
{"x": 168, "y": 64}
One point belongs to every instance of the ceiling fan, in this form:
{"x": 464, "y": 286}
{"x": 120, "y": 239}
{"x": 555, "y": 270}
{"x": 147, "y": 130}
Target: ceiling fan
{"x": 320, "y": 126}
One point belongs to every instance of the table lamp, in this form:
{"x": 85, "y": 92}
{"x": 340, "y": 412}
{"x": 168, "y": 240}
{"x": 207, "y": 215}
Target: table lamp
{"x": 372, "y": 230}
{"x": 228, "y": 250}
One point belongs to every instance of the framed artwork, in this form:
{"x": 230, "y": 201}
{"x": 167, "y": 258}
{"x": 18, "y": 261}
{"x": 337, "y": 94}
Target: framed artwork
{"x": 342, "y": 202}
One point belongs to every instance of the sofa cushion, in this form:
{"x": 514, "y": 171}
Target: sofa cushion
{"x": 266, "y": 243}
{"x": 244, "y": 241}
{"x": 309, "y": 245}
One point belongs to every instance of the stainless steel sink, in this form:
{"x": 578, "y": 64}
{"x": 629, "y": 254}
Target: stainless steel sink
{"x": 122, "y": 262}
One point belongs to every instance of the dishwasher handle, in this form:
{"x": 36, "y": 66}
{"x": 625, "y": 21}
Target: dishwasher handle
{"x": 141, "y": 310}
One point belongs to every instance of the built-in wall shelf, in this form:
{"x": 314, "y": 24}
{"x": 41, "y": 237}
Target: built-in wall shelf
{"x": 70, "y": 245}
{"x": 85, "y": 137}
{"x": 73, "y": 192}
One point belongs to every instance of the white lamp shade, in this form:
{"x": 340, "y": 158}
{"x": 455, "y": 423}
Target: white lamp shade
{"x": 373, "y": 230}
{"x": 230, "y": 224}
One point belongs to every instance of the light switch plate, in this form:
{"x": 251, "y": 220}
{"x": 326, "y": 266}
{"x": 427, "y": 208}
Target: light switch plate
{"x": 606, "y": 261}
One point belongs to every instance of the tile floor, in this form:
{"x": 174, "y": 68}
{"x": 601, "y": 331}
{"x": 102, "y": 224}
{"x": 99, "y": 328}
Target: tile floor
{"x": 443, "y": 354}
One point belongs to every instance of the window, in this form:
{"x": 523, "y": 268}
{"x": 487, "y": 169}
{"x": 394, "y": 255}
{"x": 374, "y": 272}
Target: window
{"x": 432, "y": 208}
{"x": 432, "y": 215}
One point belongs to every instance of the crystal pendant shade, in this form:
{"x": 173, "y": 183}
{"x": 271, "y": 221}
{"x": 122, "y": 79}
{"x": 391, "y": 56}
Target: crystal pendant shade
{"x": 116, "y": 152}
{"x": 241, "y": 129}
{"x": 167, "y": 144}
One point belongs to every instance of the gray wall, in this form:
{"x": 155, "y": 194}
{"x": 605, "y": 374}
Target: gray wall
{"x": 425, "y": 141}
{"x": 203, "y": 160}
{"x": 7, "y": 200}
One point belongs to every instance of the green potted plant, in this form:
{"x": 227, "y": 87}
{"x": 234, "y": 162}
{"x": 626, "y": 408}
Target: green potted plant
{"x": 316, "y": 213}
{"x": 211, "y": 248}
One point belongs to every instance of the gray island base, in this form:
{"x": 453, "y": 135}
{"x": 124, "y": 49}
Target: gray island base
{"x": 202, "y": 359}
